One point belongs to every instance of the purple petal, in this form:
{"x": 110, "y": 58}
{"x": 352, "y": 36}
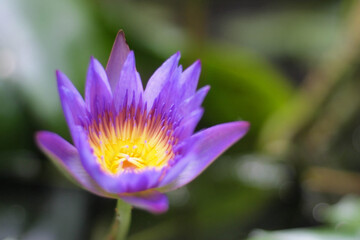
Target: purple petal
{"x": 171, "y": 94}
{"x": 72, "y": 103}
{"x": 159, "y": 79}
{"x": 66, "y": 157}
{"x": 205, "y": 147}
{"x": 98, "y": 95}
{"x": 190, "y": 78}
{"x": 152, "y": 201}
{"x": 127, "y": 182}
{"x": 190, "y": 122}
{"x": 118, "y": 55}
{"x": 129, "y": 82}
{"x": 192, "y": 103}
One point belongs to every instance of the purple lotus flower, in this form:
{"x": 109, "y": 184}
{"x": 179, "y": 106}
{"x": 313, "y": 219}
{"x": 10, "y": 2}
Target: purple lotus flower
{"x": 131, "y": 143}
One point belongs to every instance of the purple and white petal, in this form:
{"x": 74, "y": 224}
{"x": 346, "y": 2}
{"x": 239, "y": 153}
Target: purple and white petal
{"x": 189, "y": 123}
{"x": 205, "y": 146}
{"x": 118, "y": 55}
{"x": 72, "y": 103}
{"x": 151, "y": 200}
{"x": 98, "y": 95}
{"x": 190, "y": 78}
{"x": 128, "y": 84}
{"x": 171, "y": 94}
{"x": 66, "y": 157}
{"x": 192, "y": 103}
{"x": 159, "y": 79}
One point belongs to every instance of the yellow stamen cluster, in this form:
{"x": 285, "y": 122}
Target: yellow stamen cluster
{"x": 131, "y": 141}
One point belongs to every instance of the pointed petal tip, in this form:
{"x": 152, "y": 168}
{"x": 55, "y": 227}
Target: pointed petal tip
{"x": 190, "y": 78}
{"x": 129, "y": 61}
{"x": 244, "y": 125}
{"x": 121, "y": 33}
{"x": 197, "y": 63}
{"x": 196, "y": 66}
{"x": 160, "y": 207}
{"x": 118, "y": 56}
{"x": 120, "y": 45}
{"x": 95, "y": 64}
{"x": 120, "y": 37}
{"x": 177, "y": 55}
{"x": 239, "y": 127}
{"x": 206, "y": 88}
{"x": 96, "y": 67}
{"x": 40, "y": 136}
{"x": 174, "y": 59}
{"x": 131, "y": 54}
{"x": 59, "y": 76}
{"x": 63, "y": 82}
{"x": 92, "y": 60}
{"x": 46, "y": 140}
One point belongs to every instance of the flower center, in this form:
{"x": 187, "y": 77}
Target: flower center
{"x": 131, "y": 141}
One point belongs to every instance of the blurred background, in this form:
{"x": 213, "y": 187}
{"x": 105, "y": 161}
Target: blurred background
{"x": 291, "y": 68}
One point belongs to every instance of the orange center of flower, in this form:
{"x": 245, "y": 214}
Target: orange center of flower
{"x": 131, "y": 143}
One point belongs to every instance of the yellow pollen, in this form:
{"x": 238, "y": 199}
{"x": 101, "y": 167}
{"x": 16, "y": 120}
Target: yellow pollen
{"x": 131, "y": 143}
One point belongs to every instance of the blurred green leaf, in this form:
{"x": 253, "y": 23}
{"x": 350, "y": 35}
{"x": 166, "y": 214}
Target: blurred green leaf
{"x": 304, "y": 33}
{"x": 42, "y": 36}
{"x": 303, "y": 234}
{"x": 344, "y": 219}
{"x": 243, "y": 85}
{"x": 345, "y": 214}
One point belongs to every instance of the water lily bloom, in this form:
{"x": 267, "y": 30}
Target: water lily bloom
{"x": 131, "y": 143}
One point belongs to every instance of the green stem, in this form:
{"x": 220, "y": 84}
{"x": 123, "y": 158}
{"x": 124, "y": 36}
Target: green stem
{"x": 122, "y": 221}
